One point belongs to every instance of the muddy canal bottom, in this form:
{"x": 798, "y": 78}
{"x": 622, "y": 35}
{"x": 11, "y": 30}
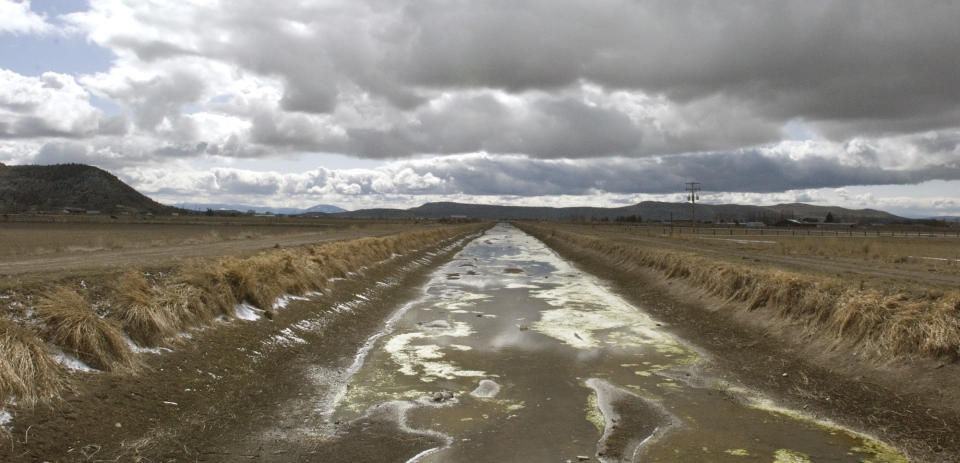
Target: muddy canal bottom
{"x": 512, "y": 354}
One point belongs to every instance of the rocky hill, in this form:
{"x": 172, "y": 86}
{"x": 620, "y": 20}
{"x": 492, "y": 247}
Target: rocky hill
{"x": 77, "y": 186}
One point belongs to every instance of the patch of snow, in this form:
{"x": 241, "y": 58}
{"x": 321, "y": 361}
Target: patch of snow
{"x": 69, "y": 361}
{"x": 5, "y": 418}
{"x": 282, "y": 301}
{"x": 309, "y": 324}
{"x": 286, "y": 338}
{"x": 139, "y": 350}
{"x": 246, "y": 311}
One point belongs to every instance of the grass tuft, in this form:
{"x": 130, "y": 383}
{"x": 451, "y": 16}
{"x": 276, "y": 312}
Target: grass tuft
{"x": 135, "y": 307}
{"x": 70, "y": 323}
{"x": 28, "y": 373}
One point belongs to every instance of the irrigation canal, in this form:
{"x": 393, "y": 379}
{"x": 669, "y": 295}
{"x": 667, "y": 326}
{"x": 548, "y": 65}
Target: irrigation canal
{"x": 513, "y": 354}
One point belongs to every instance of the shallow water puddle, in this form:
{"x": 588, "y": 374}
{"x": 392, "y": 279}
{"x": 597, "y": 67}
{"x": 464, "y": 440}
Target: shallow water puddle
{"x": 522, "y": 357}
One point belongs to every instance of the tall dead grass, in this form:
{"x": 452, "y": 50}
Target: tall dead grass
{"x": 70, "y": 323}
{"x": 134, "y": 306}
{"x": 881, "y": 323}
{"x": 27, "y": 371}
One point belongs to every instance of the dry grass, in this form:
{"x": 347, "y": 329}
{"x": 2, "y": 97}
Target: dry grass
{"x": 69, "y": 322}
{"x": 883, "y": 249}
{"x": 882, "y": 323}
{"x": 871, "y": 248}
{"x": 27, "y": 371}
{"x": 136, "y": 307}
{"x": 30, "y": 239}
{"x": 152, "y": 311}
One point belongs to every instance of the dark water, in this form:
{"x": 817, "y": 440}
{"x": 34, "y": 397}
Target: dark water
{"x": 567, "y": 369}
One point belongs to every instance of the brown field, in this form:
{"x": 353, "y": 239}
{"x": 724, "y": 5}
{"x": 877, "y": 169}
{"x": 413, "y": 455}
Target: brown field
{"x": 929, "y": 259}
{"x": 35, "y": 250}
{"x": 67, "y": 234}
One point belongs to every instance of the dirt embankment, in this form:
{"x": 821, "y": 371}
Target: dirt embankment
{"x": 762, "y": 338}
{"x": 246, "y": 389}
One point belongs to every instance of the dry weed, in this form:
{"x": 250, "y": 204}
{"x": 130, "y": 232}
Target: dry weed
{"x": 135, "y": 307}
{"x": 28, "y": 373}
{"x": 70, "y": 323}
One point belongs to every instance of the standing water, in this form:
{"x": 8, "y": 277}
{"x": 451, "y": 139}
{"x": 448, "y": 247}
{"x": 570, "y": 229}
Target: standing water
{"x": 512, "y": 354}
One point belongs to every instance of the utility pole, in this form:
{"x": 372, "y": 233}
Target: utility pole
{"x": 693, "y": 194}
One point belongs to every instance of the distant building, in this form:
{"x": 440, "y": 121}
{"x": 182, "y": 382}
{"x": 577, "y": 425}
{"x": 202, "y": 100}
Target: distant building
{"x": 794, "y": 223}
{"x": 755, "y": 224}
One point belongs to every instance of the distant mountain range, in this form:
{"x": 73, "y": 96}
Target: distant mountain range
{"x": 84, "y": 188}
{"x": 78, "y": 187}
{"x": 319, "y": 208}
{"x": 646, "y": 211}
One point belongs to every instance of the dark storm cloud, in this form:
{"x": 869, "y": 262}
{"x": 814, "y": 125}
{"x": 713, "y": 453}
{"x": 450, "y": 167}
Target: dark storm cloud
{"x": 850, "y": 67}
{"x": 745, "y": 171}
{"x": 885, "y": 62}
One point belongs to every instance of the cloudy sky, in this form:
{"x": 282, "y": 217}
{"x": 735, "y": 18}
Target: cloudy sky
{"x": 363, "y": 103}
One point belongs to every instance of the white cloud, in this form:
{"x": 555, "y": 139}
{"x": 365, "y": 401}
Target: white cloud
{"x": 50, "y": 105}
{"x": 18, "y": 18}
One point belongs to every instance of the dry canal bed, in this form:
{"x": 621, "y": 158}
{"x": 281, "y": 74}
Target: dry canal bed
{"x": 513, "y": 354}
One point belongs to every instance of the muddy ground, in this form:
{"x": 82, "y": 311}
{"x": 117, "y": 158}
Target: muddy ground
{"x": 913, "y": 405}
{"x": 221, "y": 395}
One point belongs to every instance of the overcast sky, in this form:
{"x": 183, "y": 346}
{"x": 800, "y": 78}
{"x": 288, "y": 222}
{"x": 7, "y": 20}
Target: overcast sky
{"x": 363, "y": 103}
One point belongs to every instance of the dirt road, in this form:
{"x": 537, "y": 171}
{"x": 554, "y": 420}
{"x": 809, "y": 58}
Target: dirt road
{"x": 161, "y": 255}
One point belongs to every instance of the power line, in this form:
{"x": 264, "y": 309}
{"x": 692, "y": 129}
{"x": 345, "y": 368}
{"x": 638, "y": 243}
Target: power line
{"x": 693, "y": 194}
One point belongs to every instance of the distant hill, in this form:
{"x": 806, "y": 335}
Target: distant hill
{"x": 53, "y": 188}
{"x": 325, "y": 209}
{"x": 318, "y": 209}
{"x": 647, "y": 211}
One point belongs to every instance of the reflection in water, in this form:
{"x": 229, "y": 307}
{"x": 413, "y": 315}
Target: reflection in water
{"x": 515, "y": 355}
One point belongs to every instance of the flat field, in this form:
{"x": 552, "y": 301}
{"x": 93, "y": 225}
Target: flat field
{"x": 878, "y": 256}
{"x": 69, "y": 243}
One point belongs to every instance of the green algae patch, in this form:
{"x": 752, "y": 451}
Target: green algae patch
{"x": 880, "y": 453}
{"x": 790, "y": 456}
{"x": 594, "y": 415}
{"x": 737, "y": 452}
